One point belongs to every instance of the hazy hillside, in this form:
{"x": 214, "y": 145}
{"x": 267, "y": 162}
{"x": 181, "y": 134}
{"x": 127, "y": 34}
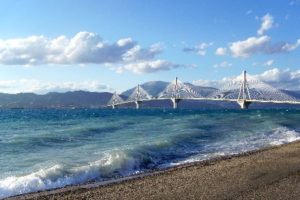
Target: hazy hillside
{"x": 84, "y": 99}
{"x": 54, "y": 99}
{"x": 155, "y": 87}
{"x": 152, "y": 87}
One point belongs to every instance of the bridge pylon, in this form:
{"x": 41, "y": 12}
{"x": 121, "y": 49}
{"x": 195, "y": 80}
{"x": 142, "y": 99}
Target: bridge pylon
{"x": 175, "y": 102}
{"x": 138, "y": 101}
{"x": 175, "y": 98}
{"x": 115, "y": 100}
{"x": 244, "y": 93}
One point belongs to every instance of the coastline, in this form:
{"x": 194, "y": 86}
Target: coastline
{"x": 272, "y": 172}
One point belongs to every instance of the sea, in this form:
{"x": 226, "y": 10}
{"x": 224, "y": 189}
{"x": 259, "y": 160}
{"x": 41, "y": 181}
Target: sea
{"x": 51, "y": 148}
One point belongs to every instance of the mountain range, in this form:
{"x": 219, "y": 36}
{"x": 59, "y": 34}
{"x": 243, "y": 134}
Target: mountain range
{"x": 84, "y": 99}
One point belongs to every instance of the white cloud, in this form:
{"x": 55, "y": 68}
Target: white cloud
{"x": 83, "y": 48}
{"x": 223, "y": 64}
{"x": 269, "y": 63}
{"x": 262, "y": 44}
{"x": 283, "y": 79}
{"x": 249, "y": 46}
{"x": 259, "y": 44}
{"x": 41, "y": 87}
{"x": 221, "y": 51}
{"x": 199, "y": 49}
{"x": 280, "y": 79}
{"x": 267, "y": 23}
{"x": 148, "y": 66}
{"x": 291, "y": 47}
{"x": 139, "y": 53}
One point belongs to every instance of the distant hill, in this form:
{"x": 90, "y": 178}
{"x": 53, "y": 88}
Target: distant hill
{"x": 155, "y": 87}
{"x": 295, "y": 94}
{"x": 83, "y": 99}
{"x": 54, "y": 100}
{"x": 152, "y": 87}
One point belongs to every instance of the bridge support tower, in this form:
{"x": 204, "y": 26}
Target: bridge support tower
{"x": 175, "y": 99}
{"x": 138, "y": 101}
{"x": 244, "y": 94}
{"x": 244, "y": 104}
{"x": 138, "y": 104}
{"x": 115, "y": 101}
{"x": 175, "y": 102}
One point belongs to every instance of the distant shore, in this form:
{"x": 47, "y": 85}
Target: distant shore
{"x": 271, "y": 173}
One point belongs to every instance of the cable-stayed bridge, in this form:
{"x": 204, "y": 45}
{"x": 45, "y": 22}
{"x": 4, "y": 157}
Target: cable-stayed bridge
{"x": 244, "y": 90}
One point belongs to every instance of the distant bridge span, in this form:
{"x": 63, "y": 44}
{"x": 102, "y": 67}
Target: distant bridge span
{"x": 207, "y": 99}
{"x": 237, "y": 91}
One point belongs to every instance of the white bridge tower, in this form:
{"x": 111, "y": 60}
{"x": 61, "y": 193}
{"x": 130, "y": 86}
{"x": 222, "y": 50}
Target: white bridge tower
{"x": 138, "y": 100}
{"x": 175, "y": 97}
{"x": 115, "y": 100}
{"x": 244, "y": 93}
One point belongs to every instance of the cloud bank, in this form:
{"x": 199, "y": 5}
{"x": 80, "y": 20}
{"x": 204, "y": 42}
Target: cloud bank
{"x": 247, "y": 47}
{"x": 260, "y": 44}
{"x": 41, "y": 87}
{"x": 83, "y": 48}
{"x": 149, "y": 66}
{"x": 281, "y": 79}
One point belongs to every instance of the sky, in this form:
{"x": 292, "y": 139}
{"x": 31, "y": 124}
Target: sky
{"x": 113, "y": 45}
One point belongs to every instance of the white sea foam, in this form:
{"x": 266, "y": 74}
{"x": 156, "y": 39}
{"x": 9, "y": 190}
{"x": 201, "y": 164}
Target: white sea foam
{"x": 59, "y": 176}
{"x": 118, "y": 162}
{"x": 284, "y": 135}
{"x": 278, "y": 136}
{"x": 52, "y": 177}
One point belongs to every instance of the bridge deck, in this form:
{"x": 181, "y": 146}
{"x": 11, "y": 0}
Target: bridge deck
{"x": 210, "y": 99}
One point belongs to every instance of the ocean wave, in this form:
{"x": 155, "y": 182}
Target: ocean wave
{"x": 277, "y": 136}
{"x": 114, "y": 164}
{"x": 283, "y": 135}
{"x": 118, "y": 163}
{"x": 100, "y": 149}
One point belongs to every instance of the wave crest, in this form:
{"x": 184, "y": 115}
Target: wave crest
{"x": 112, "y": 164}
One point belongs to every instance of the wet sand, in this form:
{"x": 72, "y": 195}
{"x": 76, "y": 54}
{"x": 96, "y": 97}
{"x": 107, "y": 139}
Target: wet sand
{"x": 272, "y": 173}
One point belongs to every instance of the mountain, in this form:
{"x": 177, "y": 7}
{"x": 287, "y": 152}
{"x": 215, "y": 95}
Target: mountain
{"x": 204, "y": 91}
{"x": 155, "y": 87}
{"x": 295, "y": 94}
{"x": 54, "y": 100}
{"x": 83, "y": 99}
{"x": 152, "y": 87}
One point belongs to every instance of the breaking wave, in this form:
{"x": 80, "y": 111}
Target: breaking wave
{"x": 88, "y": 148}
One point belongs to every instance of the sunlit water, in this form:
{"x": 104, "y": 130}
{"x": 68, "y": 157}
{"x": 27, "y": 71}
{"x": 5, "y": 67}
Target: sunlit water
{"x": 49, "y": 148}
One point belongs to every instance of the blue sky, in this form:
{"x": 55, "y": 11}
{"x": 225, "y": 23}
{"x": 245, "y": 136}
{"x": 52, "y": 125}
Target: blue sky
{"x": 111, "y": 45}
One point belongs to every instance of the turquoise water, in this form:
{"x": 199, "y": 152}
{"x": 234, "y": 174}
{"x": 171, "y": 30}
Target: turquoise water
{"x": 51, "y": 148}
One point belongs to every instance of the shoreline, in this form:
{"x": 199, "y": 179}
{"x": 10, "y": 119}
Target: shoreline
{"x": 146, "y": 179}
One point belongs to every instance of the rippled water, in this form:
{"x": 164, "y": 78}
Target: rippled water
{"x": 50, "y": 148}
